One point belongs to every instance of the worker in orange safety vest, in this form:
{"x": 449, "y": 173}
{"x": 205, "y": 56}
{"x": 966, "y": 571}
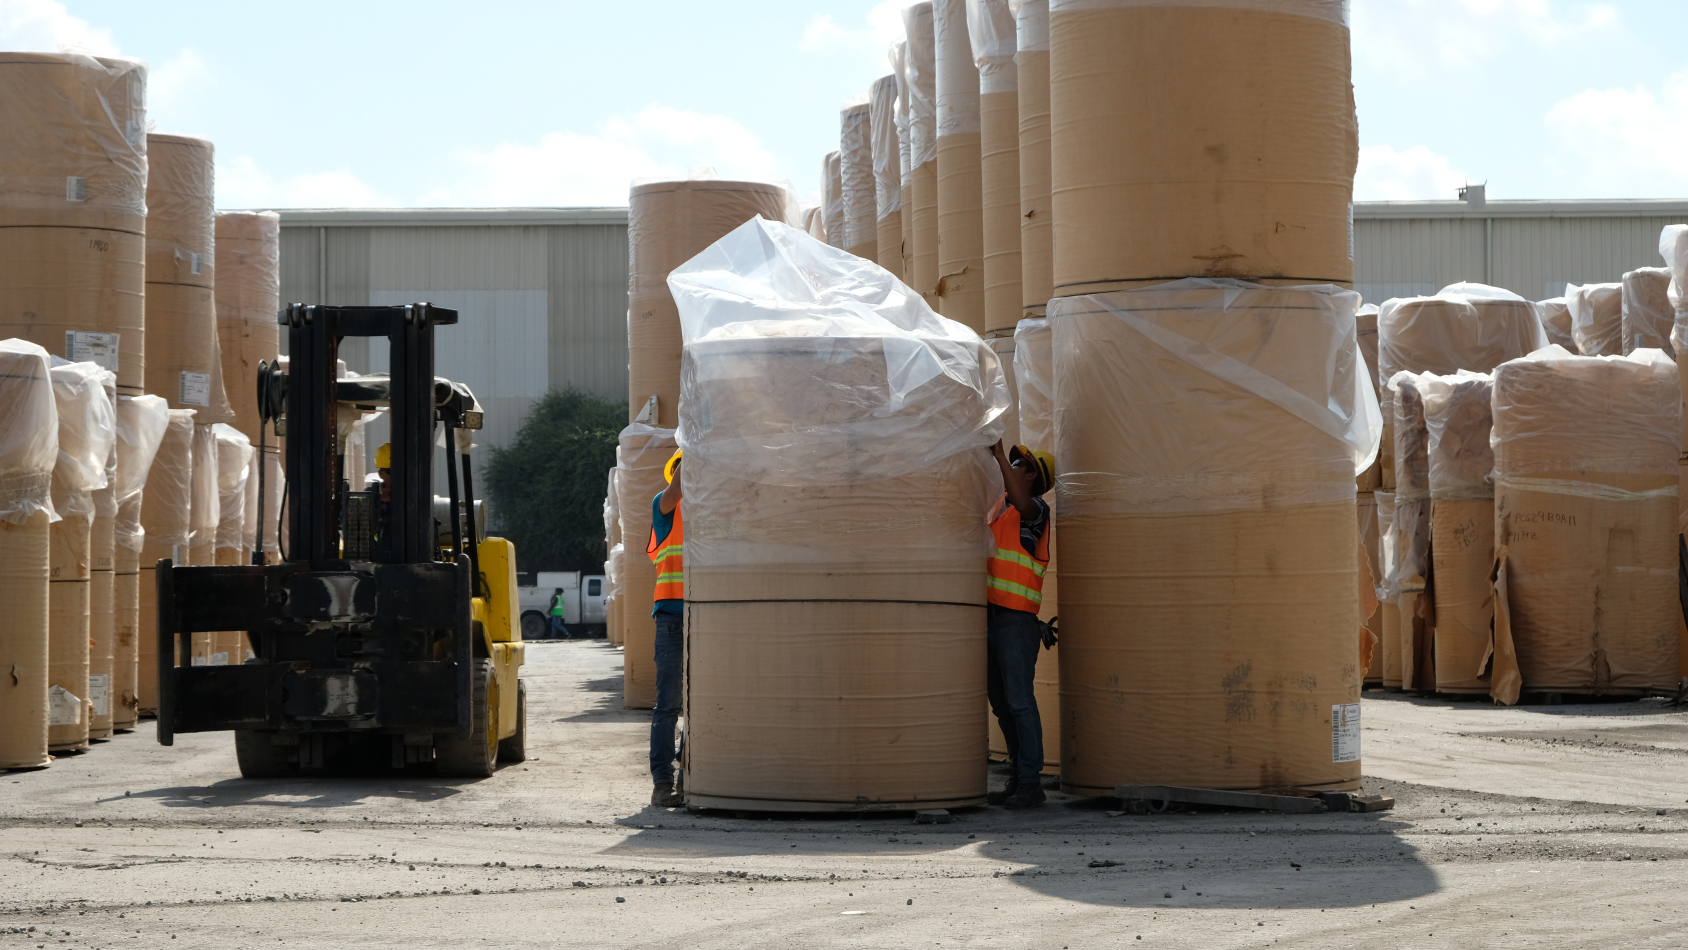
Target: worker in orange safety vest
{"x": 667, "y": 550}
{"x": 1020, "y": 528}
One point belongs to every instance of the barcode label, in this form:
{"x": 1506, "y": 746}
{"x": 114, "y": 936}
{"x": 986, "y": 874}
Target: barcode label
{"x": 1345, "y": 732}
{"x": 75, "y": 189}
{"x": 63, "y": 708}
{"x": 197, "y": 262}
{"x": 99, "y": 693}
{"x": 195, "y": 389}
{"x": 85, "y": 346}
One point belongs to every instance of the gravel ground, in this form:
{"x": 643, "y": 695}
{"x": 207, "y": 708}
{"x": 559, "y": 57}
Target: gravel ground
{"x": 1545, "y": 826}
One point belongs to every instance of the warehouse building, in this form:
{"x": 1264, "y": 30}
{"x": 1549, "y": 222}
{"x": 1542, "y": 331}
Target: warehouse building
{"x": 543, "y": 291}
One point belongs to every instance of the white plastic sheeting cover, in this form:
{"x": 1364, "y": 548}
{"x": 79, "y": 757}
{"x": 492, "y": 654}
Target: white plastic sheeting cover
{"x": 1218, "y": 448}
{"x": 206, "y": 510}
{"x": 855, "y": 169}
{"x": 1335, "y": 11}
{"x": 1458, "y": 414}
{"x": 958, "y": 79}
{"x": 832, "y": 201}
{"x": 898, "y": 55}
{"x": 990, "y": 26}
{"x": 941, "y": 392}
{"x": 920, "y": 67}
{"x": 87, "y": 432}
{"x": 1596, "y": 317}
{"x": 29, "y": 432}
{"x": 1034, "y": 373}
{"x": 141, "y": 424}
{"x": 1463, "y": 326}
{"x": 1554, "y": 313}
{"x": 1673, "y": 247}
{"x": 234, "y": 466}
{"x": 1388, "y": 544}
{"x": 886, "y": 130}
{"x": 1031, "y": 23}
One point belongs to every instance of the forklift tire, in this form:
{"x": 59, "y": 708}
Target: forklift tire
{"x": 258, "y": 757}
{"x": 514, "y": 749}
{"x": 476, "y": 756}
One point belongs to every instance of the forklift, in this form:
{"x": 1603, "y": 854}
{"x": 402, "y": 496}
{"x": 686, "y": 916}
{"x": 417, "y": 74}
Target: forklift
{"x": 388, "y": 636}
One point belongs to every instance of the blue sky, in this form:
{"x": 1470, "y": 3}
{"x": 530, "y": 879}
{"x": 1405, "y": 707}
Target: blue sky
{"x": 364, "y": 103}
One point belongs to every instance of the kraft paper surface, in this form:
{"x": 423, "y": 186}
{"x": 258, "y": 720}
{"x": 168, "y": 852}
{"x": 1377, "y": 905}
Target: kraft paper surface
{"x": 1647, "y": 315}
{"x": 890, "y": 246}
{"x": 181, "y": 209}
{"x": 63, "y": 279}
{"x": 70, "y": 567}
{"x": 1037, "y": 219}
{"x": 999, "y": 136}
{"x": 126, "y": 639}
{"x": 924, "y": 259}
{"x": 1260, "y": 188}
{"x": 961, "y": 230}
{"x": 1390, "y": 626}
{"x": 1365, "y": 511}
{"x": 248, "y": 295}
{"x": 24, "y": 558}
{"x": 1463, "y": 546}
{"x": 184, "y": 352}
{"x": 102, "y": 618}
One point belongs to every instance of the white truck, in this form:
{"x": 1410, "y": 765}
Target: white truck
{"x": 583, "y": 603}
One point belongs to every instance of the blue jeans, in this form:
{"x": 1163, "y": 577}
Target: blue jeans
{"x": 670, "y": 654}
{"x": 1013, "y": 639}
{"x": 558, "y": 631}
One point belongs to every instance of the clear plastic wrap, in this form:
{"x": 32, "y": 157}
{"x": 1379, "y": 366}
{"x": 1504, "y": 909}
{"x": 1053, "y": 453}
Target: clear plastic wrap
{"x": 887, "y": 146}
{"x": 141, "y": 423}
{"x": 167, "y": 502}
{"x": 957, "y": 84}
{"x": 1031, "y": 24}
{"x": 1336, "y": 11}
{"x": 1596, "y": 318}
{"x": 898, "y": 55}
{"x": 1458, "y": 417}
{"x": 73, "y": 148}
{"x": 1388, "y": 545}
{"x": 920, "y": 70}
{"x": 1464, "y": 326}
{"x": 990, "y": 27}
{"x": 234, "y": 465}
{"x": 1647, "y": 315}
{"x": 181, "y": 210}
{"x": 29, "y": 441}
{"x": 1034, "y": 375}
{"x": 1554, "y": 314}
{"x": 1412, "y": 482}
{"x": 832, "y": 207}
{"x": 856, "y": 178}
{"x": 87, "y": 433}
{"x": 1673, "y": 247}
{"x": 207, "y": 510}
{"x": 1292, "y": 422}
{"x": 939, "y": 393}
{"x": 814, "y": 223}
{"x": 248, "y": 294}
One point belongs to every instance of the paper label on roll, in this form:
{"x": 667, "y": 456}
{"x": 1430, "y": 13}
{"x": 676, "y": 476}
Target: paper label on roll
{"x": 196, "y": 262}
{"x": 199, "y": 661}
{"x": 219, "y": 659}
{"x": 75, "y": 189}
{"x": 195, "y": 389}
{"x": 1345, "y": 732}
{"x": 63, "y": 708}
{"x": 86, "y": 346}
{"x": 99, "y": 693}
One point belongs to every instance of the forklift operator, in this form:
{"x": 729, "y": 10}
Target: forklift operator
{"x": 667, "y": 551}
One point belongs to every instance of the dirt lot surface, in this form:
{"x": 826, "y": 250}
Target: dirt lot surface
{"x": 1548, "y": 826}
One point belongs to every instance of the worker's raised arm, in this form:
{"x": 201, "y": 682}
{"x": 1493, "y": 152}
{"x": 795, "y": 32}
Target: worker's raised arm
{"x": 670, "y": 498}
{"x": 1015, "y": 482}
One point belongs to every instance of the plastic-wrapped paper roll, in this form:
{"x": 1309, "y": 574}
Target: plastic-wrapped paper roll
{"x": 77, "y": 292}
{"x": 832, "y": 197}
{"x": 1586, "y": 475}
{"x": 1464, "y": 326}
{"x": 1388, "y": 608}
{"x": 1596, "y": 318}
{"x": 1646, "y": 313}
{"x": 898, "y": 57}
{"x": 855, "y": 169}
{"x": 818, "y": 396}
{"x": 1037, "y": 219}
{"x": 141, "y": 424}
{"x": 1365, "y": 517}
{"x": 247, "y": 297}
{"x": 1555, "y": 316}
{"x": 102, "y": 630}
{"x": 814, "y": 223}
{"x": 1004, "y": 347}
{"x": 1034, "y": 364}
{"x": 1365, "y": 322}
{"x": 1263, "y": 419}
{"x": 28, "y": 455}
{"x": 643, "y": 452}
{"x": 181, "y": 203}
{"x": 1260, "y": 187}
{"x": 616, "y": 597}
{"x": 920, "y": 195}
{"x": 166, "y": 519}
{"x": 887, "y": 174}
{"x": 1462, "y": 527}
{"x": 990, "y": 25}
{"x": 86, "y": 434}
{"x": 668, "y": 222}
{"x": 233, "y": 463}
{"x": 1412, "y": 527}
{"x": 205, "y": 513}
{"x": 961, "y": 202}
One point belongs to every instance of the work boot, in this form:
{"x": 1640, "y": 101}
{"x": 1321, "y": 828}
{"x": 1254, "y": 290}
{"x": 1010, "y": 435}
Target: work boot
{"x": 1026, "y": 796}
{"x": 998, "y": 798}
{"x": 665, "y": 795}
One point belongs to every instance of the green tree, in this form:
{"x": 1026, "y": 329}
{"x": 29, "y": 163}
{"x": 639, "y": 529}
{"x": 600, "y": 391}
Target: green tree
{"x": 546, "y": 489}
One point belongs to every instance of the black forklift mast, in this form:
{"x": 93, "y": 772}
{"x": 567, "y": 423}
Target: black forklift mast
{"x": 348, "y": 631}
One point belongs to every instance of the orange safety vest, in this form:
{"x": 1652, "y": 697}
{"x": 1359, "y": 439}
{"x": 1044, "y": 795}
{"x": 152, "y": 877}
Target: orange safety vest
{"x": 669, "y": 556}
{"x": 1016, "y": 578}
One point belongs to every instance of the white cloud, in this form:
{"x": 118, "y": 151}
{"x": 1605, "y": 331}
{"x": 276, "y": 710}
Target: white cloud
{"x": 1413, "y": 174}
{"x": 241, "y": 183}
{"x": 1626, "y": 139}
{"x": 571, "y": 168}
{"x": 1417, "y": 35}
{"x": 883, "y": 26}
{"x": 45, "y": 26}
{"x": 173, "y": 86}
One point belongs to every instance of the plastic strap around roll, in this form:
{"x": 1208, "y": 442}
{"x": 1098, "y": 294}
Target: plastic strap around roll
{"x": 1673, "y": 247}
{"x": 1647, "y": 317}
{"x": 941, "y": 391}
{"x": 29, "y": 440}
{"x": 1336, "y": 11}
{"x": 74, "y": 133}
{"x": 1594, "y": 490}
{"x": 887, "y": 146}
{"x": 920, "y": 70}
{"x": 990, "y": 27}
{"x": 234, "y": 458}
{"x": 87, "y": 434}
{"x": 856, "y": 175}
{"x": 1596, "y": 317}
{"x": 1555, "y": 411}
{"x": 1031, "y": 24}
{"x": 957, "y": 76}
{"x": 1034, "y": 375}
{"x": 832, "y": 203}
{"x": 1458, "y": 417}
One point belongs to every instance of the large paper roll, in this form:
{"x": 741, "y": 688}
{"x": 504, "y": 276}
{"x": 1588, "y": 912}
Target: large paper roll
{"x": 887, "y": 174}
{"x": 1037, "y": 218}
{"x": 247, "y": 297}
{"x": 961, "y": 204}
{"x": 857, "y": 193}
{"x": 28, "y": 454}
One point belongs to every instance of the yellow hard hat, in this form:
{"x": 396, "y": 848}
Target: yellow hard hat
{"x": 384, "y": 455}
{"x": 668, "y": 469}
{"x": 1041, "y": 462}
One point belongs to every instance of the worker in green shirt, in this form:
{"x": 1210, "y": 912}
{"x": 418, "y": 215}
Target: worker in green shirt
{"x": 558, "y": 631}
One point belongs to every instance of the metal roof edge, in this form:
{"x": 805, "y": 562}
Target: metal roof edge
{"x": 1604, "y": 208}
{"x": 447, "y": 217}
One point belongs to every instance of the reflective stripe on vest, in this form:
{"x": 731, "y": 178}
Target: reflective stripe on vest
{"x": 1016, "y": 578}
{"x": 669, "y": 556}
